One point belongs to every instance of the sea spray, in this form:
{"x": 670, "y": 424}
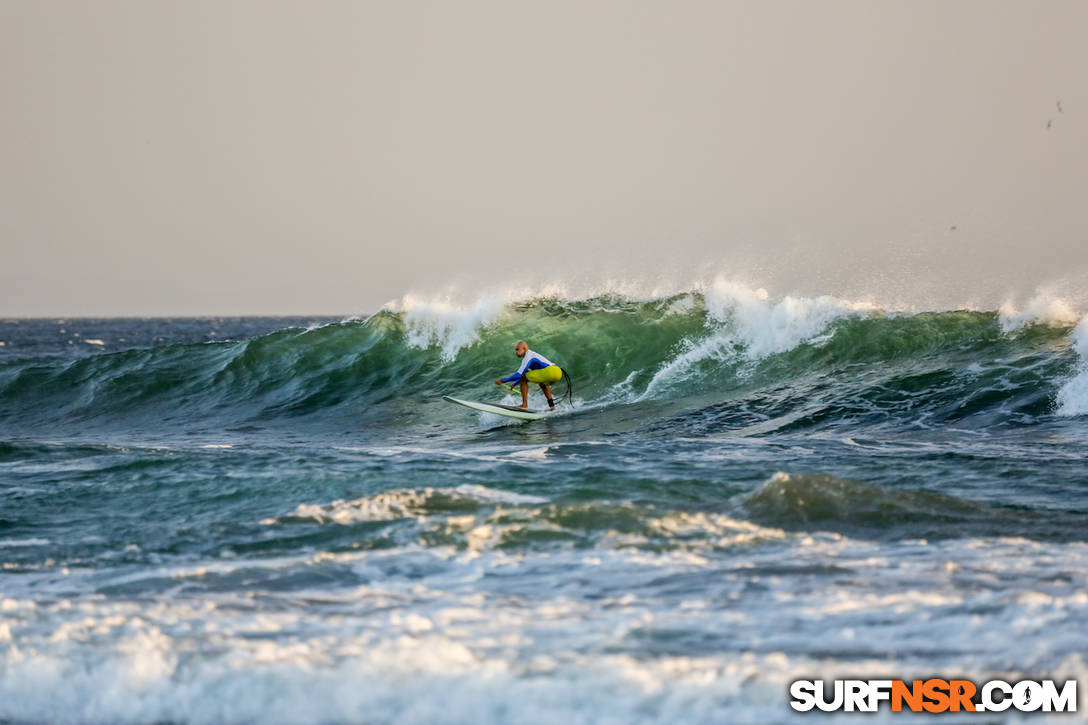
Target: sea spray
{"x": 1045, "y": 307}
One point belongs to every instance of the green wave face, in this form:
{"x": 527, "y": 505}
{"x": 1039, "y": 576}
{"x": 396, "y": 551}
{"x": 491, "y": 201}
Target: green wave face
{"x": 691, "y": 363}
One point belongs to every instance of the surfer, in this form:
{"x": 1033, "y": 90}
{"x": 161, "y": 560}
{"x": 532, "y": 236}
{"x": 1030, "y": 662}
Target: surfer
{"x": 535, "y": 368}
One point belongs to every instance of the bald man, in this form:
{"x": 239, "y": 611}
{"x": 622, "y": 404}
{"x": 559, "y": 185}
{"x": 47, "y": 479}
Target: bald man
{"x": 535, "y": 368}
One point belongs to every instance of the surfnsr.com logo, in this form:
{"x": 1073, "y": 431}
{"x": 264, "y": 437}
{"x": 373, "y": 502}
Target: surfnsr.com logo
{"x": 933, "y": 695}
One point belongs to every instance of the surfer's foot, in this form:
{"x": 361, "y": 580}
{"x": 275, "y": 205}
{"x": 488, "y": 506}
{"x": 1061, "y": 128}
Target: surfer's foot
{"x": 521, "y": 407}
{"x": 551, "y": 403}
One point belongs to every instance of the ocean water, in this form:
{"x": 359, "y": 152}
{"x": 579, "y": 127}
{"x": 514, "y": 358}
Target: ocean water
{"x": 280, "y": 520}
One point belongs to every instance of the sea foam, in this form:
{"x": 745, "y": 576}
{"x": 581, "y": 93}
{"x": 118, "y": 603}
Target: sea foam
{"x": 1073, "y": 395}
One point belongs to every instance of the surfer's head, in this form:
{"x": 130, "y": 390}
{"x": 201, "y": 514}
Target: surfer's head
{"x": 521, "y": 348}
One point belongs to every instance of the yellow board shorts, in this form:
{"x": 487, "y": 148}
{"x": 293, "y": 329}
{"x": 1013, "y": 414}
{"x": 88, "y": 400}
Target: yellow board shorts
{"x": 550, "y": 374}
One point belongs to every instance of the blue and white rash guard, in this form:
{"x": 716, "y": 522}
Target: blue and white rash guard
{"x": 531, "y": 361}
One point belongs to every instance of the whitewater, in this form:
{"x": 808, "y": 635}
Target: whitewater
{"x": 279, "y": 519}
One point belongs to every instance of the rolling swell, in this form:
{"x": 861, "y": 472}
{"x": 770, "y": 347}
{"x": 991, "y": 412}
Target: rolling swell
{"x": 473, "y": 517}
{"x": 722, "y": 360}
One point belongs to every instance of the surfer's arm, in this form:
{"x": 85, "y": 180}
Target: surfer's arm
{"x": 516, "y": 376}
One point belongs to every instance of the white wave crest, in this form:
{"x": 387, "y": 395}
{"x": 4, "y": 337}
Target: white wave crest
{"x": 25, "y": 542}
{"x": 1073, "y": 396}
{"x": 401, "y": 504}
{"x": 1044, "y": 308}
{"x": 444, "y": 323}
{"x": 747, "y": 324}
{"x": 693, "y": 530}
{"x": 766, "y": 327}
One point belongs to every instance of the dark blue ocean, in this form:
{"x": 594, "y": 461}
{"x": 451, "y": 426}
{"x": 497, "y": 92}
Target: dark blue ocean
{"x": 280, "y": 520}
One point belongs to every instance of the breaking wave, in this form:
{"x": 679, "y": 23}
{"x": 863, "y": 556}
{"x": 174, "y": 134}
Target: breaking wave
{"x": 822, "y": 360}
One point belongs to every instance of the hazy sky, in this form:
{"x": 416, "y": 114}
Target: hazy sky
{"x": 324, "y": 157}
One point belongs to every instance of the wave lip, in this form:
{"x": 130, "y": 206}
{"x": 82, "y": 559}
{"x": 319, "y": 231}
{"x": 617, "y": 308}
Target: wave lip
{"x": 444, "y": 323}
{"x": 764, "y": 327}
{"x": 1044, "y": 308}
{"x": 745, "y": 324}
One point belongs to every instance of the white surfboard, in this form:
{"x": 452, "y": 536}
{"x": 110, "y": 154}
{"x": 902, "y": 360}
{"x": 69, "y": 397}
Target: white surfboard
{"x": 507, "y": 410}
